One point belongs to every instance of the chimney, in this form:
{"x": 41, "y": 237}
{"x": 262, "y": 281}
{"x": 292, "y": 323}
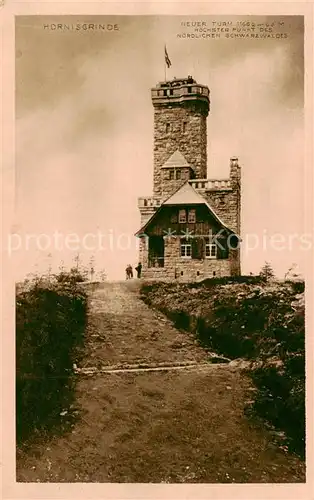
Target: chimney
{"x": 235, "y": 171}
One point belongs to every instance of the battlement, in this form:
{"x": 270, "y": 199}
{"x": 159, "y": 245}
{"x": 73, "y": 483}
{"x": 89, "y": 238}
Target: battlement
{"x": 211, "y": 184}
{"x": 176, "y": 82}
{"x": 180, "y": 91}
{"x": 148, "y": 202}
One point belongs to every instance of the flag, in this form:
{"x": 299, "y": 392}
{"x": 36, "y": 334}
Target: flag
{"x": 167, "y": 59}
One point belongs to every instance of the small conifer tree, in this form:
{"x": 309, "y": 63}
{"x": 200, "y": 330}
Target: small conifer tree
{"x": 267, "y": 272}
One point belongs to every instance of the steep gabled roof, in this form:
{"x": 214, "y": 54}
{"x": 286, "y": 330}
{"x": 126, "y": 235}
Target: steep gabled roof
{"x": 185, "y": 195}
{"x": 176, "y": 160}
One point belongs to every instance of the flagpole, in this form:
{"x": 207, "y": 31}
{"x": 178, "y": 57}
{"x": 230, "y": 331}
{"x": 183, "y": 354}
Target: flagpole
{"x": 165, "y": 64}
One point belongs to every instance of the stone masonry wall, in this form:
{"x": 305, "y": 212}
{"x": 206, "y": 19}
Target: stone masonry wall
{"x": 170, "y": 187}
{"x": 146, "y": 215}
{"x": 182, "y": 269}
{"x": 143, "y": 253}
{"x": 227, "y": 205}
{"x": 192, "y": 142}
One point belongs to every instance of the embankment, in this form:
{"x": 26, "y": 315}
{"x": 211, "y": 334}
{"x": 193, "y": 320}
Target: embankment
{"x": 50, "y": 324}
{"x": 256, "y": 321}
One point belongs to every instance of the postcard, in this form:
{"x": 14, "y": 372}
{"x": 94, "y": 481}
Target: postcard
{"x": 158, "y": 250}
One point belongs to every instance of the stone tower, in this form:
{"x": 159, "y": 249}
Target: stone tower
{"x": 185, "y": 201}
{"x": 181, "y": 107}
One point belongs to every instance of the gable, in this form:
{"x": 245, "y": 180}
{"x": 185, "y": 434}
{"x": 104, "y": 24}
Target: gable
{"x": 176, "y": 160}
{"x": 197, "y": 218}
{"x": 184, "y": 196}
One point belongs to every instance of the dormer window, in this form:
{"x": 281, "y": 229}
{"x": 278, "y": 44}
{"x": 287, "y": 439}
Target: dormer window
{"x": 184, "y": 125}
{"x": 168, "y": 128}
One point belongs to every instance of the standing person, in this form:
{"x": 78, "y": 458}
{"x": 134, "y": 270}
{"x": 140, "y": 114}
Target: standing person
{"x": 131, "y": 271}
{"x": 138, "y": 269}
{"x": 127, "y": 272}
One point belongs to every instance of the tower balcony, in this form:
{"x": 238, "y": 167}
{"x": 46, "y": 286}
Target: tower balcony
{"x": 179, "y": 91}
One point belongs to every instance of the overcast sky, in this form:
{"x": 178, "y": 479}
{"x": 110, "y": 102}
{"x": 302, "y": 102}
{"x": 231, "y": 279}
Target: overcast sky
{"x": 84, "y": 128}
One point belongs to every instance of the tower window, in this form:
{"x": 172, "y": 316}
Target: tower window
{"x": 186, "y": 249}
{"x": 171, "y": 174}
{"x": 192, "y": 216}
{"x": 168, "y": 128}
{"x": 184, "y": 125}
{"x": 182, "y": 216}
{"x": 178, "y": 174}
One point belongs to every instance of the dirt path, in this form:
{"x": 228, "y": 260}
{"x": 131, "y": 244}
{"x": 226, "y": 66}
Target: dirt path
{"x": 148, "y": 413}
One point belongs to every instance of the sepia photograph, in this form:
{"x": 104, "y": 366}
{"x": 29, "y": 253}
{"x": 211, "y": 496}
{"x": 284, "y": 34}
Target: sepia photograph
{"x": 159, "y": 249}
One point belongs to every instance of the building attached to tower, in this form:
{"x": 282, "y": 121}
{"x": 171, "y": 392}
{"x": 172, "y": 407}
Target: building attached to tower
{"x": 190, "y": 227}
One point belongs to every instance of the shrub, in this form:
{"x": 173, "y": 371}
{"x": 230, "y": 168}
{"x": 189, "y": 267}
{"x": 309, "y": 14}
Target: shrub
{"x": 267, "y": 272}
{"x": 50, "y": 323}
{"x": 281, "y": 401}
{"x": 249, "y": 318}
{"x": 209, "y": 282}
{"x": 73, "y": 276}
